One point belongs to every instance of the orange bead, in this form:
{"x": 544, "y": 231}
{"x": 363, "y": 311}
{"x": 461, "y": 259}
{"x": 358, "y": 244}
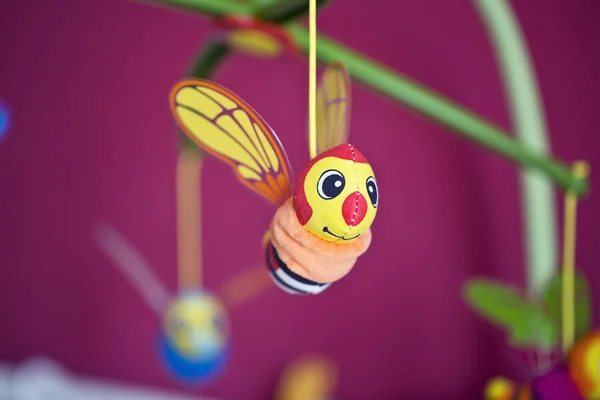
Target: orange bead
{"x": 499, "y": 388}
{"x": 584, "y": 362}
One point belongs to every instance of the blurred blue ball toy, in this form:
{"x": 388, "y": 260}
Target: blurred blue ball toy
{"x": 195, "y": 336}
{"x": 195, "y": 371}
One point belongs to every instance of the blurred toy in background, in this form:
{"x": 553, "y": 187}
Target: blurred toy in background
{"x": 534, "y": 326}
{"x": 195, "y": 336}
{"x": 194, "y": 340}
{"x": 254, "y": 37}
{"x": 320, "y": 230}
{"x": 4, "y": 120}
{"x": 556, "y": 384}
{"x": 500, "y": 388}
{"x": 584, "y": 365}
{"x": 194, "y": 312}
{"x": 539, "y": 322}
{"x": 308, "y": 377}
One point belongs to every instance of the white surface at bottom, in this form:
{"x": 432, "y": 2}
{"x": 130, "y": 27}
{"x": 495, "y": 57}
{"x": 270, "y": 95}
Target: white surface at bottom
{"x": 44, "y": 379}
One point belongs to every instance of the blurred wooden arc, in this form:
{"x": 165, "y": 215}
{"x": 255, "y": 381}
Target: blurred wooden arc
{"x": 189, "y": 224}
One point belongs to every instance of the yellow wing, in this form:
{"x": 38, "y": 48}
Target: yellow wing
{"x": 333, "y": 107}
{"x": 227, "y": 127}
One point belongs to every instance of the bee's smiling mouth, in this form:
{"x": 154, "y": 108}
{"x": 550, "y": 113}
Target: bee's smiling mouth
{"x": 326, "y": 230}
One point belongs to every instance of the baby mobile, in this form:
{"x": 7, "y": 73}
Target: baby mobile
{"x": 227, "y": 127}
{"x": 194, "y": 341}
{"x": 323, "y": 226}
{"x": 268, "y": 28}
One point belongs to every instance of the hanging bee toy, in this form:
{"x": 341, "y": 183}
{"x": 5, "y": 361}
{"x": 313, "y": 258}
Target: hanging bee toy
{"x": 323, "y": 226}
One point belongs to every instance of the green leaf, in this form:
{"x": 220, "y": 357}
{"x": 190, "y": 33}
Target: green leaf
{"x": 526, "y": 323}
{"x": 583, "y": 306}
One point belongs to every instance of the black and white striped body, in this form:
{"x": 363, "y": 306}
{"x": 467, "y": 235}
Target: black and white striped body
{"x": 286, "y": 279}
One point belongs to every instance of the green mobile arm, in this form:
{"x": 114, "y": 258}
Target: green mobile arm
{"x": 276, "y": 11}
{"x": 438, "y": 108}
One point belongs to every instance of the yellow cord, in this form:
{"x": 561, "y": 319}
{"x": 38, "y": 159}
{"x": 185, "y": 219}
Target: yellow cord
{"x": 312, "y": 78}
{"x": 580, "y": 171}
{"x": 189, "y": 221}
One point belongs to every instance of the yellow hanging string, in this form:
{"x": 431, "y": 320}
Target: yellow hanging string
{"x": 580, "y": 171}
{"x": 312, "y": 77}
{"x": 188, "y": 220}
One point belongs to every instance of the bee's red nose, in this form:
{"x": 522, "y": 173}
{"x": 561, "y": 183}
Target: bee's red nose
{"x": 354, "y": 208}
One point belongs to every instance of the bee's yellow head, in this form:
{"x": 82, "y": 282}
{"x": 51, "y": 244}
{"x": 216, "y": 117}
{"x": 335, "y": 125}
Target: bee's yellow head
{"x": 196, "y": 325}
{"x": 336, "y": 195}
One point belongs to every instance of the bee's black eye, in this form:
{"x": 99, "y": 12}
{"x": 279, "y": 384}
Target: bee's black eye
{"x": 373, "y": 191}
{"x": 331, "y": 184}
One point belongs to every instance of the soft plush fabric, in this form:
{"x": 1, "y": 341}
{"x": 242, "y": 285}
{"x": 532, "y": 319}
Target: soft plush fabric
{"x": 286, "y": 279}
{"x": 309, "y": 256}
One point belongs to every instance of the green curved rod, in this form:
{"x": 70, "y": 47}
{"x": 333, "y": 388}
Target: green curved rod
{"x": 403, "y": 90}
{"x": 539, "y": 209}
{"x": 212, "y": 8}
{"x": 438, "y": 108}
{"x": 275, "y": 11}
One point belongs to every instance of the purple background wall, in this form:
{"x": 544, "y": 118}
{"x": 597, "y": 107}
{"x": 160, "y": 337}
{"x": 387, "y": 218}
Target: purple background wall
{"x": 93, "y": 139}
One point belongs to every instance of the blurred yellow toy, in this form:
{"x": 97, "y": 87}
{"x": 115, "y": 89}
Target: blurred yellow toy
{"x": 503, "y": 389}
{"x": 310, "y": 377}
{"x": 252, "y": 36}
{"x": 196, "y": 324}
{"x": 584, "y": 365}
